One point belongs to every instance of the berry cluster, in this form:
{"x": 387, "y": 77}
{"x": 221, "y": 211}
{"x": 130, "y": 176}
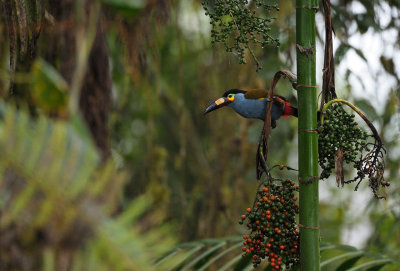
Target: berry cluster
{"x": 339, "y": 131}
{"x": 274, "y": 234}
{"x": 236, "y": 25}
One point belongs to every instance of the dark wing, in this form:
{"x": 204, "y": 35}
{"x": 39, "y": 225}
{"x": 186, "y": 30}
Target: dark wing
{"x": 256, "y": 94}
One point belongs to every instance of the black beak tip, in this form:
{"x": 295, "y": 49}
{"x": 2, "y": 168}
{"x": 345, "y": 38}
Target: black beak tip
{"x": 215, "y": 105}
{"x": 208, "y": 110}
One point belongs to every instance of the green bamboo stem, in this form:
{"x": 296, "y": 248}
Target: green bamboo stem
{"x": 308, "y": 140}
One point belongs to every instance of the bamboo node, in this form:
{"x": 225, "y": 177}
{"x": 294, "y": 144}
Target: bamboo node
{"x": 305, "y": 86}
{"x": 309, "y": 180}
{"x": 306, "y": 51}
{"x": 309, "y": 130}
{"x": 308, "y": 227}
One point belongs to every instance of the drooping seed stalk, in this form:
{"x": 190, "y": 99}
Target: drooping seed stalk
{"x": 308, "y": 138}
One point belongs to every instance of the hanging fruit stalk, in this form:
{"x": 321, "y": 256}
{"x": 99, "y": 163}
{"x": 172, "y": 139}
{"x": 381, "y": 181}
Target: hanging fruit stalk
{"x": 340, "y": 132}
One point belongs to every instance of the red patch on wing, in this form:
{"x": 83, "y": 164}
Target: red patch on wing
{"x": 288, "y": 111}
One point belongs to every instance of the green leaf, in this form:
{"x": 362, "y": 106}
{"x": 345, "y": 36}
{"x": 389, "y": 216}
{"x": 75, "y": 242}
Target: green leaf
{"x": 228, "y": 265}
{"x": 360, "y": 53}
{"x": 246, "y": 261}
{"x": 203, "y": 255}
{"x": 348, "y": 263}
{"x": 49, "y": 89}
{"x": 341, "y": 256}
{"x": 218, "y": 256}
{"x": 376, "y": 267}
{"x": 340, "y": 52}
{"x": 373, "y": 263}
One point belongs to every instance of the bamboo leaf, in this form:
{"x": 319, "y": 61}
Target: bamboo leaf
{"x": 339, "y": 257}
{"x": 348, "y": 263}
{"x": 203, "y": 255}
{"x": 228, "y": 265}
{"x": 218, "y": 256}
{"x": 376, "y": 268}
{"x": 373, "y": 263}
{"x": 243, "y": 263}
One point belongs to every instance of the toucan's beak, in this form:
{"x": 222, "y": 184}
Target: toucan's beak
{"x": 221, "y": 102}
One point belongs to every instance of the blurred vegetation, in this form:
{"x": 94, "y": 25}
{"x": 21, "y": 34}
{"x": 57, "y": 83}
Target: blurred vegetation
{"x": 107, "y": 161}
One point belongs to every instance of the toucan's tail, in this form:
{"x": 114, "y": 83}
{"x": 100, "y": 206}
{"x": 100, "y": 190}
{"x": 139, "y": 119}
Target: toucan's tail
{"x": 294, "y": 111}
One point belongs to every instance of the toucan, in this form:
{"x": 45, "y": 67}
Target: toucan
{"x": 252, "y": 103}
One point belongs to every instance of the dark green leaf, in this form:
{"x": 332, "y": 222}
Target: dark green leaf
{"x": 243, "y": 263}
{"x": 340, "y": 52}
{"x": 348, "y": 263}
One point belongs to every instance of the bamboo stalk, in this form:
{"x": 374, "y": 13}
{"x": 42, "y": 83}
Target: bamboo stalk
{"x": 308, "y": 138}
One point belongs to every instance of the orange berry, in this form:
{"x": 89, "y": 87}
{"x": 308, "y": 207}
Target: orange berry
{"x": 248, "y": 210}
{"x": 265, "y": 189}
{"x": 272, "y": 264}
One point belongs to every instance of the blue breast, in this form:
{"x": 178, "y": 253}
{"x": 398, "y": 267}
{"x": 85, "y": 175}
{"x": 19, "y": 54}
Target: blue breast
{"x": 250, "y": 108}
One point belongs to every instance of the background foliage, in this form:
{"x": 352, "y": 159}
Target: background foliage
{"x": 96, "y": 191}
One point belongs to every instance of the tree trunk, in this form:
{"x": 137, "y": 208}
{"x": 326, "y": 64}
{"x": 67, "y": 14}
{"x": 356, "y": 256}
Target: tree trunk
{"x": 308, "y": 137}
{"x": 95, "y": 93}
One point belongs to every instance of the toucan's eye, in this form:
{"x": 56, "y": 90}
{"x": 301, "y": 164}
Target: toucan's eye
{"x": 231, "y": 97}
